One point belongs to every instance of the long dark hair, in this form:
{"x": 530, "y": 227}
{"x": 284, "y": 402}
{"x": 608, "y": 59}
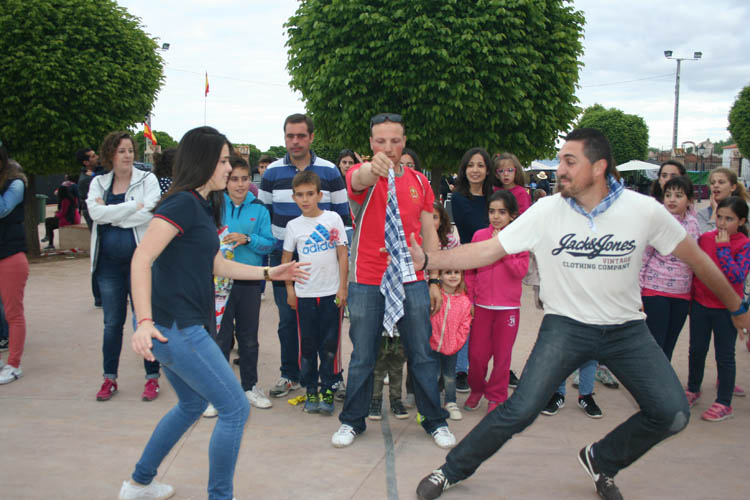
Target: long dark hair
{"x": 462, "y": 183}
{"x": 163, "y": 163}
{"x": 195, "y": 163}
{"x": 415, "y": 157}
{"x": 65, "y": 193}
{"x": 739, "y": 207}
{"x": 445, "y": 223}
{"x": 656, "y": 190}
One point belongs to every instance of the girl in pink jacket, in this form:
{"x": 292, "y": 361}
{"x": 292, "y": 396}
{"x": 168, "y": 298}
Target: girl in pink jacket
{"x": 495, "y": 291}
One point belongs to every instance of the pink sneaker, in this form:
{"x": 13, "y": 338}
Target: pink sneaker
{"x": 718, "y": 412}
{"x": 150, "y": 390}
{"x": 738, "y": 391}
{"x": 109, "y": 387}
{"x": 472, "y": 402}
{"x": 692, "y": 397}
{"x": 492, "y": 405}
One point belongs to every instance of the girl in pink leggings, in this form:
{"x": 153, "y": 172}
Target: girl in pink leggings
{"x": 14, "y": 268}
{"x": 495, "y": 291}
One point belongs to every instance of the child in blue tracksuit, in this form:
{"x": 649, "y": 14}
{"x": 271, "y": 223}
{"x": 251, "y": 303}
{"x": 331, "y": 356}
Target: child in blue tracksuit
{"x": 250, "y": 231}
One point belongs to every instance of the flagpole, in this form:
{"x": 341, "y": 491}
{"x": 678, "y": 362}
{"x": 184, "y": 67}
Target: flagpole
{"x": 205, "y": 99}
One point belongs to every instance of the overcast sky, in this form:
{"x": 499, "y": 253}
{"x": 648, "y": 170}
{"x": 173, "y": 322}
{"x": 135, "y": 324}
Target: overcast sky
{"x": 240, "y": 43}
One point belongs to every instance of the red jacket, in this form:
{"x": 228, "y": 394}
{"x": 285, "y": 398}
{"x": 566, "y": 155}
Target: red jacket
{"x": 64, "y": 216}
{"x": 499, "y": 284}
{"x": 451, "y": 324}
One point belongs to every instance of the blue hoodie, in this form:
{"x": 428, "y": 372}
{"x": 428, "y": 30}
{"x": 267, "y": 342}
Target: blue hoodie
{"x": 250, "y": 218}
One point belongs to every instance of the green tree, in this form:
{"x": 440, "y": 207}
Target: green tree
{"x": 276, "y": 151}
{"x": 739, "y": 121}
{"x": 163, "y": 139}
{"x": 628, "y": 134}
{"x": 72, "y": 71}
{"x": 494, "y": 73}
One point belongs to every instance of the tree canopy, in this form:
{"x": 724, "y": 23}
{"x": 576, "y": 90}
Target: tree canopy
{"x": 494, "y": 73}
{"x": 72, "y": 71}
{"x": 163, "y": 139}
{"x": 628, "y": 134}
{"x": 739, "y": 121}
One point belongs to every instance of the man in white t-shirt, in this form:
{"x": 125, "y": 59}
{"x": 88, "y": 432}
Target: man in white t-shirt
{"x": 318, "y": 236}
{"x": 588, "y": 241}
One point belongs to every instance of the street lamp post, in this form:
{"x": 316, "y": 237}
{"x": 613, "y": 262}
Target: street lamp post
{"x": 668, "y": 55}
{"x": 702, "y": 151}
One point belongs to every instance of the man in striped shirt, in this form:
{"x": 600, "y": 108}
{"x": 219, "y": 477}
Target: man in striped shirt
{"x": 276, "y": 193}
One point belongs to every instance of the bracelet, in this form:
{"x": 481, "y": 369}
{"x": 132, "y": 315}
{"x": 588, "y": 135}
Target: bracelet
{"x": 741, "y": 310}
{"x": 267, "y": 273}
{"x": 426, "y": 260}
{"x": 142, "y": 320}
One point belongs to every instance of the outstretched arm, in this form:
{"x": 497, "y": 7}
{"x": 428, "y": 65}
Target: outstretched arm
{"x": 469, "y": 256}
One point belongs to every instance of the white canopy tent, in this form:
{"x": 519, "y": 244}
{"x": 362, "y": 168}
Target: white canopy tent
{"x": 636, "y": 165}
{"x": 538, "y": 165}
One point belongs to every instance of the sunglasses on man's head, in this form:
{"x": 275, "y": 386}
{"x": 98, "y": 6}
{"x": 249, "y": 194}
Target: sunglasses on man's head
{"x": 384, "y": 117}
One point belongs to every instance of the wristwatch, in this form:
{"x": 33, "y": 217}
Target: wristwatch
{"x": 267, "y": 273}
{"x": 434, "y": 281}
{"x": 741, "y": 310}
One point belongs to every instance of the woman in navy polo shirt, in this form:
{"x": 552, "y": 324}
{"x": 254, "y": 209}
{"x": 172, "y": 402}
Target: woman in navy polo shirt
{"x": 173, "y": 294}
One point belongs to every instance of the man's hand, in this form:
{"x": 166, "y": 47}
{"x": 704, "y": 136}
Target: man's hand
{"x": 417, "y": 254}
{"x": 436, "y": 299}
{"x": 381, "y": 164}
{"x": 236, "y": 239}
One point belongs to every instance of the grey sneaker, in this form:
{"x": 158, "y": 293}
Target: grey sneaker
{"x": 339, "y": 390}
{"x": 282, "y": 387}
{"x": 605, "y": 485}
{"x": 433, "y": 486}
{"x": 153, "y": 491}
{"x": 605, "y": 377}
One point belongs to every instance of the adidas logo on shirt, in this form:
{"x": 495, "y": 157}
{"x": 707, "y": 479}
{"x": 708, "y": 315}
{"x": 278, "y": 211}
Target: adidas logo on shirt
{"x": 319, "y": 241}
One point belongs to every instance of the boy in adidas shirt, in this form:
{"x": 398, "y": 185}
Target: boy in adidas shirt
{"x": 319, "y": 237}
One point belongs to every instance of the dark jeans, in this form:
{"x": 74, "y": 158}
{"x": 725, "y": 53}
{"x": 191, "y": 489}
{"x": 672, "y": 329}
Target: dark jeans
{"x": 702, "y": 321}
{"x": 50, "y": 224}
{"x": 240, "y": 319}
{"x": 3, "y": 323}
{"x": 319, "y": 320}
{"x": 288, "y": 339}
{"x": 563, "y": 345}
{"x": 448, "y": 372}
{"x": 113, "y": 275}
{"x": 366, "y": 308}
{"x": 665, "y": 317}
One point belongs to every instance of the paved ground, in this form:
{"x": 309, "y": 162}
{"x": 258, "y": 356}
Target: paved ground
{"x": 59, "y": 443}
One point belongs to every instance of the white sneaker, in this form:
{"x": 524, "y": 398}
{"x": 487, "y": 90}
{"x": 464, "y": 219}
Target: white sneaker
{"x": 443, "y": 437}
{"x": 10, "y": 374}
{"x": 153, "y": 491}
{"x": 386, "y": 380}
{"x": 453, "y": 411}
{"x": 344, "y": 436}
{"x": 257, "y": 397}
{"x": 210, "y": 411}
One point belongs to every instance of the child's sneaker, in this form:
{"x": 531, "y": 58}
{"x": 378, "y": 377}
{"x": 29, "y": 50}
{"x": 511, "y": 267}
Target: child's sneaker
{"x": 491, "y": 405}
{"x": 108, "y": 389}
{"x": 556, "y": 402}
{"x": 718, "y": 412}
{"x": 692, "y": 397}
{"x": 282, "y": 387}
{"x": 397, "y": 407}
{"x": 512, "y": 380}
{"x": 472, "y": 402}
{"x": 312, "y": 403}
{"x": 462, "y": 382}
{"x": 344, "y": 436}
{"x": 605, "y": 377}
{"x": 325, "y": 406}
{"x": 210, "y": 411}
{"x": 453, "y": 412}
{"x": 739, "y": 391}
{"x": 443, "y": 437}
{"x": 3, "y": 345}
{"x": 376, "y": 411}
{"x": 153, "y": 491}
{"x": 10, "y": 374}
{"x": 150, "y": 390}
{"x": 589, "y": 406}
{"x": 339, "y": 390}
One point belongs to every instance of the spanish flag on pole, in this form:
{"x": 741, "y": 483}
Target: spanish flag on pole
{"x": 206, "y": 85}
{"x": 148, "y": 134}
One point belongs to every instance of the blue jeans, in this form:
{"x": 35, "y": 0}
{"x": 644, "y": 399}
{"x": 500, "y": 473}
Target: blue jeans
{"x": 199, "y": 373}
{"x": 366, "y": 308}
{"x": 586, "y": 372}
{"x": 702, "y": 321}
{"x": 665, "y": 317}
{"x": 462, "y": 359}
{"x": 319, "y": 325}
{"x": 288, "y": 338}
{"x": 629, "y": 350}
{"x": 113, "y": 276}
{"x": 447, "y": 365}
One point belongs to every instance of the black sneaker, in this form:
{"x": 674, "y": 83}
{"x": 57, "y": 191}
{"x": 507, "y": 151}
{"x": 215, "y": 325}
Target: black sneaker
{"x": 3, "y": 345}
{"x": 376, "y": 412}
{"x": 513, "y": 381}
{"x": 236, "y": 361}
{"x": 556, "y": 402}
{"x": 605, "y": 485}
{"x": 433, "y": 485}
{"x": 462, "y": 382}
{"x": 589, "y": 406}
{"x": 398, "y": 409}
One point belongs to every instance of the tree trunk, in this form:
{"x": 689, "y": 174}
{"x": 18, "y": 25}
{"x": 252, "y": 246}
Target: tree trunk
{"x": 31, "y": 218}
